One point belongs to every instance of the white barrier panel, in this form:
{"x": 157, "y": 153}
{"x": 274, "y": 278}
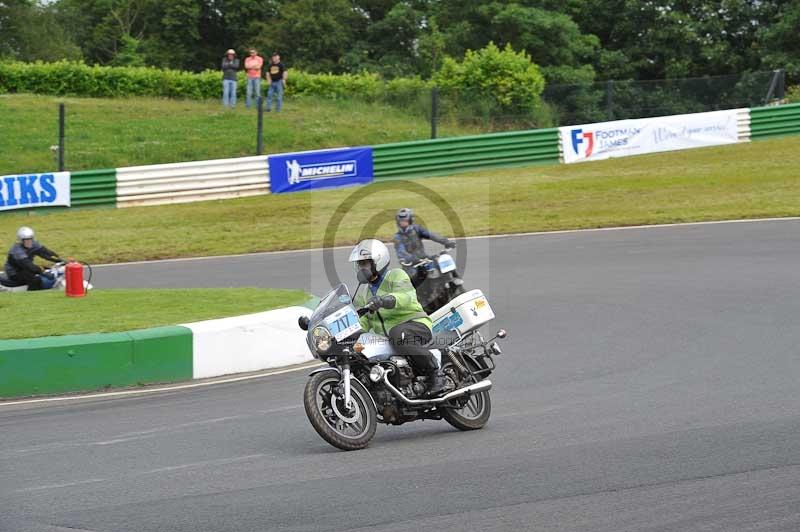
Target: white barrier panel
{"x": 28, "y": 191}
{"x": 591, "y": 142}
{"x": 192, "y": 181}
{"x": 249, "y": 343}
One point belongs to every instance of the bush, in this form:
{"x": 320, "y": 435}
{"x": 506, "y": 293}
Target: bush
{"x": 77, "y": 79}
{"x": 492, "y": 87}
{"x": 504, "y": 79}
{"x": 792, "y": 94}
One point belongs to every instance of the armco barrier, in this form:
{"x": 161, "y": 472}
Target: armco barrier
{"x": 248, "y": 343}
{"x": 94, "y": 188}
{"x": 94, "y": 361}
{"x": 90, "y": 362}
{"x": 457, "y": 154}
{"x": 774, "y": 121}
{"x": 192, "y": 181}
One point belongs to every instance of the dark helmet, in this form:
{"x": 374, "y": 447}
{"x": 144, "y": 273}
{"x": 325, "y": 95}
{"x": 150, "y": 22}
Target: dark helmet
{"x": 404, "y": 214}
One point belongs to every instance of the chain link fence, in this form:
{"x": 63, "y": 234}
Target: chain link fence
{"x": 114, "y": 132}
{"x": 618, "y": 100}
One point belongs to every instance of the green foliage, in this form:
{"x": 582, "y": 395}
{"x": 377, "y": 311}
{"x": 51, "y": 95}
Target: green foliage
{"x": 793, "y": 94}
{"x": 129, "y": 54}
{"x": 30, "y": 31}
{"x": 64, "y": 78}
{"x": 506, "y": 79}
{"x": 781, "y": 43}
{"x": 76, "y": 79}
{"x": 315, "y": 32}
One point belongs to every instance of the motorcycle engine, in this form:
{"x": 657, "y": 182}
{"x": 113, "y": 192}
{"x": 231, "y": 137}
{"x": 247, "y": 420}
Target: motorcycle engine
{"x": 404, "y": 374}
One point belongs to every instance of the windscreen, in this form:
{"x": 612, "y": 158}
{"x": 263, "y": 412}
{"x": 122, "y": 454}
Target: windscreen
{"x": 337, "y": 298}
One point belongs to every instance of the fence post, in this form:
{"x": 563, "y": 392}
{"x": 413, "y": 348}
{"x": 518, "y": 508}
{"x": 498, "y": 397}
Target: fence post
{"x": 434, "y": 110}
{"x": 780, "y": 89}
{"x": 260, "y": 129}
{"x": 610, "y": 100}
{"x": 61, "y": 137}
{"x": 774, "y": 89}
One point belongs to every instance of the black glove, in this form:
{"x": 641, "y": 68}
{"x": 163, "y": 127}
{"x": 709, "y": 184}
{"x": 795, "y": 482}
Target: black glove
{"x": 378, "y": 302}
{"x": 450, "y": 244}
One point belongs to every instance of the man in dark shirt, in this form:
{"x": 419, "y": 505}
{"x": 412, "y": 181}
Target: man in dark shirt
{"x": 20, "y": 268}
{"x": 230, "y": 68}
{"x": 276, "y": 76}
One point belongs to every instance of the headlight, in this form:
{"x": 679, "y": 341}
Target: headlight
{"x": 322, "y": 339}
{"x": 376, "y": 373}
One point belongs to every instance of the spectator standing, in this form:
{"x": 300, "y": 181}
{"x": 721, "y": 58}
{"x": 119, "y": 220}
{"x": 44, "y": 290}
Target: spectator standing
{"x": 230, "y": 69}
{"x": 252, "y": 65}
{"x": 276, "y": 74}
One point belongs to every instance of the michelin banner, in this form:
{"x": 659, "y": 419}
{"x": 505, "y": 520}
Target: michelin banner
{"x": 292, "y": 172}
{"x": 29, "y": 191}
{"x": 592, "y": 142}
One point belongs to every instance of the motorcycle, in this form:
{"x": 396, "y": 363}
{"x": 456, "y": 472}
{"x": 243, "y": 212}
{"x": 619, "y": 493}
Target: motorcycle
{"x": 367, "y": 382}
{"x": 57, "y": 271}
{"x": 436, "y": 281}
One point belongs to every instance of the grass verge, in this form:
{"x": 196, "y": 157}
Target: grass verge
{"x": 51, "y": 313}
{"x": 754, "y": 180}
{"x": 112, "y": 133}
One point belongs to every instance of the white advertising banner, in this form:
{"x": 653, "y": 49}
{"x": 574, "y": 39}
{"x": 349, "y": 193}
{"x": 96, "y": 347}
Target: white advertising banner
{"x": 592, "y": 142}
{"x": 28, "y": 191}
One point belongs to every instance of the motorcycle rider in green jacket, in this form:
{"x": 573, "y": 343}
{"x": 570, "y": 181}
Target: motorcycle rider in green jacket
{"x": 395, "y": 310}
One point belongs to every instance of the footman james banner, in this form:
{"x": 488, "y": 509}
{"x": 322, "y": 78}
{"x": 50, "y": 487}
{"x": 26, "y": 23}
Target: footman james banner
{"x": 591, "y": 142}
{"x": 292, "y": 172}
{"x": 28, "y": 191}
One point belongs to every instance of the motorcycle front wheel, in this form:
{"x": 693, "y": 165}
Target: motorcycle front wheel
{"x": 346, "y": 429}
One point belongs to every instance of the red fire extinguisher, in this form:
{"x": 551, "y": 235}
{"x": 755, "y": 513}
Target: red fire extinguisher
{"x": 74, "y": 276}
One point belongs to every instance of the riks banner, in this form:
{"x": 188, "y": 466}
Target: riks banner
{"x": 29, "y": 191}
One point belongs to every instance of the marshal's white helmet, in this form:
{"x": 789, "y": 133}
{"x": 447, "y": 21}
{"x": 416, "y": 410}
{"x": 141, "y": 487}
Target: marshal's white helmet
{"x": 371, "y": 249}
{"x": 24, "y": 233}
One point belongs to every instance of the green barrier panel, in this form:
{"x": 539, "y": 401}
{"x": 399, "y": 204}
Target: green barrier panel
{"x": 87, "y": 362}
{"x": 94, "y": 188}
{"x": 458, "y": 154}
{"x": 774, "y": 121}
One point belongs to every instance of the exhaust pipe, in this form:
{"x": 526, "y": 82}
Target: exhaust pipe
{"x": 482, "y": 386}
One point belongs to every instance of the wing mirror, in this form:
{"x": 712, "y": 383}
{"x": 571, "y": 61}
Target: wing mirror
{"x": 302, "y": 321}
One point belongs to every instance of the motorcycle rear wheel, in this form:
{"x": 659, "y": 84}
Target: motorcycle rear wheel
{"x": 474, "y": 412}
{"x": 325, "y": 410}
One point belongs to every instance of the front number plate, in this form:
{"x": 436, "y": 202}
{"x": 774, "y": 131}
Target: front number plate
{"x": 343, "y": 323}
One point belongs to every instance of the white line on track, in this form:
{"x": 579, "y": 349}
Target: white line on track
{"x": 504, "y": 235}
{"x": 160, "y": 389}
{"x": 64, "y": 485}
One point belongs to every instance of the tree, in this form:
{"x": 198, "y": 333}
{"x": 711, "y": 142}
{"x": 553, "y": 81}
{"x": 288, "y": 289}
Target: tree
{"x": 553, "y": 39}
{"x": 779, "y": 43}
{"x": 313, "y": 34}
{"x": 30, "y": 31}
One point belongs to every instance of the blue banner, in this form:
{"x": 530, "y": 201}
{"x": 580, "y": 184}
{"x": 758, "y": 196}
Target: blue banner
{"x": 34, "y": 190}
{"x": 292, "y": 172}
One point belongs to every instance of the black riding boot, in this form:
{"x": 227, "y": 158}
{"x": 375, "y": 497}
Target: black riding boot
{"x": 436, "y": 383}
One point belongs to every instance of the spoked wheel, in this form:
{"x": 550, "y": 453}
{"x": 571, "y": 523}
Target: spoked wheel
{"x": 468, "y": 413}
{"x": 347, "y": 429}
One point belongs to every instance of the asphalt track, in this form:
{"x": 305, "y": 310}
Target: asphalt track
{"x": 650, "y": 382}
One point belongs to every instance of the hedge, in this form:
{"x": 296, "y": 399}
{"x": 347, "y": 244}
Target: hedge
{"x": 76, "y": 79}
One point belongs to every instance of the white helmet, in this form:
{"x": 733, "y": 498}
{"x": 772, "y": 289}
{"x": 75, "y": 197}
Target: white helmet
{"x": 370, "y": 249}
{"x": 24, "y": 233}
